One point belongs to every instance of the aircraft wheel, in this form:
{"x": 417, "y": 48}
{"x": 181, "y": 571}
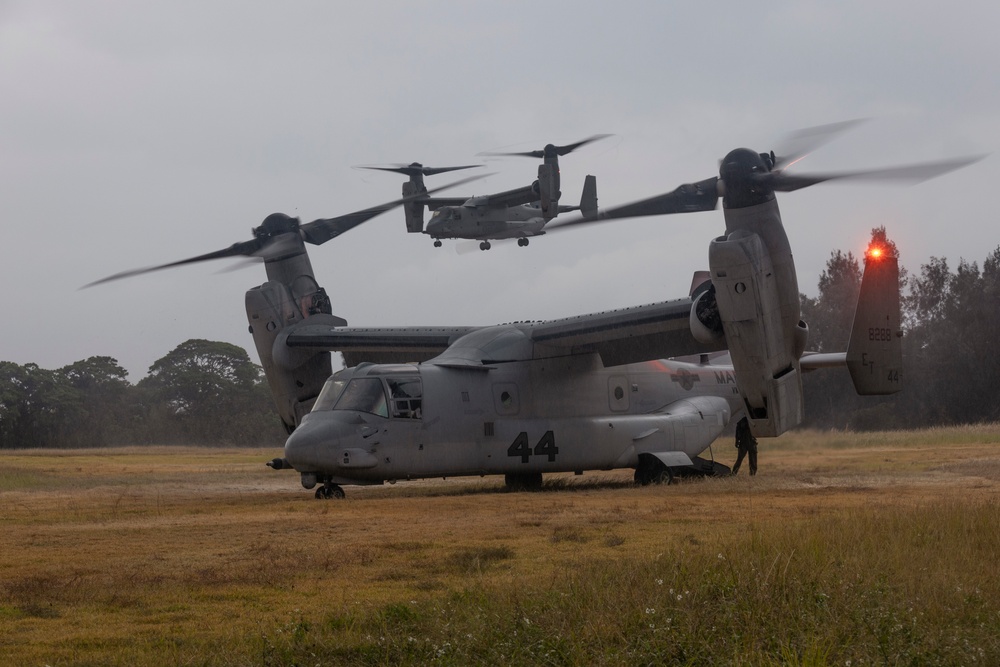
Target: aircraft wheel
{"x": 328, "y": 491}
{"x": 522, "y": 242}
{"x": 437, "y": 244}
{"x": 485, "y": 245}
{"x": 653, "y": 473}
{"x": 664, "y": 476}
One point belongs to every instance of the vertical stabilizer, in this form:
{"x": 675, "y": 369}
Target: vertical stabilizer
{"x": 875, "y": 352}
{"x": 588, "y": 201}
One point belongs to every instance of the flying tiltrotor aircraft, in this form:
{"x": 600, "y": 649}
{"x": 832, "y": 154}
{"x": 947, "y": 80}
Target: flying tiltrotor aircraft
{"x": 515, "y": 214}
{"x": 599, "y": 391}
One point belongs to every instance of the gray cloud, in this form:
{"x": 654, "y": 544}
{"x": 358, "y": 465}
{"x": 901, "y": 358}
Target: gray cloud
{"x": 133, "y": 134}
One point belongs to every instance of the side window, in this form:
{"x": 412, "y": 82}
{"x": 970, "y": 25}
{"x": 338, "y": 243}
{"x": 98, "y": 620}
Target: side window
{"x": 405, "y": 397}
{"x": 364, "y": 395}
{"x": 505, "y": 398}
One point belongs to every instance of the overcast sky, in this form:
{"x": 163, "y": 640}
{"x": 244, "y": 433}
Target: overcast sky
{"x": 138, "y": 133}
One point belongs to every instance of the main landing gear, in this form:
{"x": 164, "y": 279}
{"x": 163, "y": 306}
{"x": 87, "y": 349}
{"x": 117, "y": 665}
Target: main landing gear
{"x": 485, "y": 245}
{"x": 437, "y": 244}
{"x": 522, "y": 241}
{"x": 652, "y": 474}
{"x": 329, "y": 490}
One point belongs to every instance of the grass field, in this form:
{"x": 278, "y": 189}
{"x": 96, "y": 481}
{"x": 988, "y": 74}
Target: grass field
{"x": 846, "y": 549}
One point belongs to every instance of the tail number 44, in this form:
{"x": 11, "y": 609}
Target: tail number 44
{"x": 545, "y": 447}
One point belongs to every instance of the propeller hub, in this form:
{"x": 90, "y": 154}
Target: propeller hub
{"x": 744, "y": 173}
{"x": 275, "y": 224}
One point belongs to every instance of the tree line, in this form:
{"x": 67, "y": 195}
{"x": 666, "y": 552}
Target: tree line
{"x": 210, "y": 393}
{"x": 201, "y": 393}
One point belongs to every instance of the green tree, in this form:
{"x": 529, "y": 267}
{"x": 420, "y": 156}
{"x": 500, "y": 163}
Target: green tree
{"x": 38, "y": 407}
{"x": 209, "y": 392}
{"x": 950, "y": 354}
{"x": 110, "y": 414}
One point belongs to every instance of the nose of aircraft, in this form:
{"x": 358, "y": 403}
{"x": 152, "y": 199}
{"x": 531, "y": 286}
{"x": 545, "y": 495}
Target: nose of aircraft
{"x": 318, "y": 443}
{"x": 314, "y": 443}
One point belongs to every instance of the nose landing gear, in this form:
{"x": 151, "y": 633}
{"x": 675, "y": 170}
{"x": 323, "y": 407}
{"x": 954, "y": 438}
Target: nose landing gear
{"x": 329, "y": 490}
{"x": 485, "y": 245}
{"x": 523, "y": 241}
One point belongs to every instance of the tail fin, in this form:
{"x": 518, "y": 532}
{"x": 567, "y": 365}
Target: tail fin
{"x": 588, "y": 200}
{"x": 875, "y": 351}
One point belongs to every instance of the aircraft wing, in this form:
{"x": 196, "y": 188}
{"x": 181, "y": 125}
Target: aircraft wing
{"x": 390, "y": 345}
{"x": 516, "y": 197}
{"x": 623, "y": 336}
{"x": 434, "y": 203}
{"x": 627, "y": 335}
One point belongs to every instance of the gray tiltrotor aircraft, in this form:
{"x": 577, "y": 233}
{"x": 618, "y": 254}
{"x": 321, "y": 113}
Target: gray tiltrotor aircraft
{"x": 515, "y": 214}
{"x": 598, "y": 391}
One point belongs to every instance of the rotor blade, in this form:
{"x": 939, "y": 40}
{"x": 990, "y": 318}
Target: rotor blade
{"x": 316, "y": 232}
{"x": 559, "y": 150}
{"x": 430, "y": 171}
{"x": 569, "y": 148}
{"x": 688, "y": 198}
{"x": 914, "y": 173}
{"x": 243, "y": 249}
{"x": 415, "y": 168}
{"x": 803, "y": 142}
{"x": 503, "y": 154}
{"x": 320, "y": 231}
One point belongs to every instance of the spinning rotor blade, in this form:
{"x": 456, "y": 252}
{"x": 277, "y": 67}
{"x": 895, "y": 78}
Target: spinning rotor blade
{"x": 914, "y": 173}
{"x": 803, "y": 142}
{"x": 688, "y": 198}
{"x": 551, "y": 150}
{"x": 748, "y": 182}
{"x": 243, "y": 249}
{"x": 281, "y": 235}
{"x": 415, "y": 168}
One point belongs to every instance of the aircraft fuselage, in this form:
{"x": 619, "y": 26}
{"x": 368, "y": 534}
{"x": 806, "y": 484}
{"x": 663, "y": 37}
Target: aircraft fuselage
{"x": 485, "y": 223}
{"x": 540, "y": 416}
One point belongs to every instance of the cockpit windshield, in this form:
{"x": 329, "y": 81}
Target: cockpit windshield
{"x": 364, "y": 395}
{"x": 328, "y": 396}
{"x": 367, "y": 394}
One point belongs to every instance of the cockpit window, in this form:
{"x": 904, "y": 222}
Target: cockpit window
{"x": 364, "y": 395}
{"x": 328, "y": 396}
{"x": 405, "y": 394}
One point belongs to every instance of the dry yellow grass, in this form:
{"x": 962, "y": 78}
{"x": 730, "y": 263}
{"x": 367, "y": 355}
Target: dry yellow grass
{"x": 204, "y": 556}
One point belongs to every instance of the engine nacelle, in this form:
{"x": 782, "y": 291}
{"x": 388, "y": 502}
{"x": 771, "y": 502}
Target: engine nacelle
{"x": 271, "y": 308}
{"x": 548, "y": 189}
{"x": 705, "y": 321}
{"x": 751, "y": 299}
{"x": 414, "y": 211}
